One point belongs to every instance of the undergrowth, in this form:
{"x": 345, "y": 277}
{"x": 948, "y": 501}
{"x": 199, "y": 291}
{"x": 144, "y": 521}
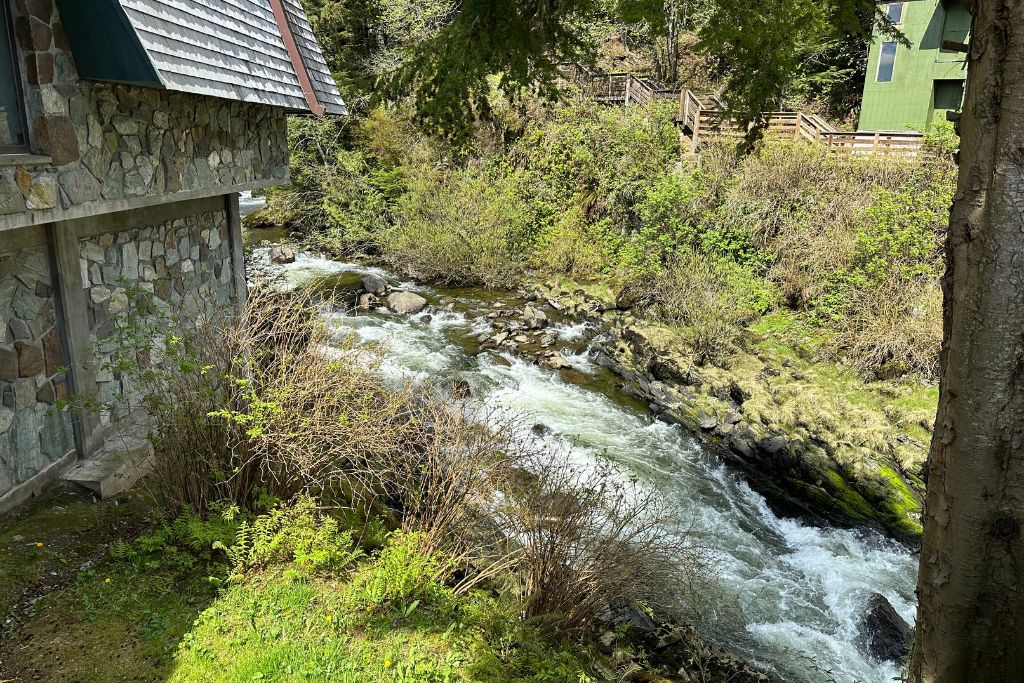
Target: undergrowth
{"x": 605, "y": 194}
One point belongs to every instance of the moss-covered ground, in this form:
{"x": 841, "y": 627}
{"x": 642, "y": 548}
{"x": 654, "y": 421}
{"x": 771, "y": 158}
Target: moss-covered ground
{"x": 102, "y": 591}
{"x": 876, "y": 432}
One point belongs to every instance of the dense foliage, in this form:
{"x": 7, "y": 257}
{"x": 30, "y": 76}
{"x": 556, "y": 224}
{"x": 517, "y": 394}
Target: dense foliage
{"x": 853, "y": 246}
{"x": 446, "y": 57}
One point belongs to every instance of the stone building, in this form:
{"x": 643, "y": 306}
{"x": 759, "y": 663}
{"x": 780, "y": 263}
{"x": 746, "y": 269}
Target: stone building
{"x": 127, "y": 130}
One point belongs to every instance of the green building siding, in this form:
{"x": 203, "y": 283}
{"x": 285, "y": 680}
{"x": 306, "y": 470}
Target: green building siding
{"x": 921, "y": 71}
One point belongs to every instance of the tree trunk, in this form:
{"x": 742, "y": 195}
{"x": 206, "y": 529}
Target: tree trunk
{"x": 971, "y": 584}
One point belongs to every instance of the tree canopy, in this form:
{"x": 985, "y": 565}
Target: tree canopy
{"x": 446, "y": 57}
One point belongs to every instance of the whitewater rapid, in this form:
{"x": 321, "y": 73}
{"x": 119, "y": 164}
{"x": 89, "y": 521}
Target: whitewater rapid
{"x": 787, "y": 596}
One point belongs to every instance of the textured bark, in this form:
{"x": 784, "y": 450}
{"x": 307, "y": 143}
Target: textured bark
{"x": 971, "y": 612}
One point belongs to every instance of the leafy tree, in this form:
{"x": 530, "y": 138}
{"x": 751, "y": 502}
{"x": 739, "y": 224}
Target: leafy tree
{"x": 520, "y": 41}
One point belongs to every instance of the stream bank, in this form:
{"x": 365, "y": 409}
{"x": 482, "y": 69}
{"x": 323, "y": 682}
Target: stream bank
{"x": 789, "y": 597}
{"x": 800, "y": 468}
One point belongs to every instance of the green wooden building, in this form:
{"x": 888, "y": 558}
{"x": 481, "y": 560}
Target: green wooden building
{"x": 911, "y": 87}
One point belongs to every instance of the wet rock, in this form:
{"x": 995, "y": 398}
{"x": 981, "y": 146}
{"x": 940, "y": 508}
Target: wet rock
{"x": 534, "y": 318}
{"x": 773, "y": 445}
{"x": 888, "y": 634}
{"x": 282, "y": 255}
{"x": 540, "y": 429}
{"x": 406, "y": 302}
{"x": 556, "y": 361}
{"x": 375, "y": 284}
{"x": 706, "y": 422}
{"x": 366, "y": 301}
{"x": 427, "y": 319}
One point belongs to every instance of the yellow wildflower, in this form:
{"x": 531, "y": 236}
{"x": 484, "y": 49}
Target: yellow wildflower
{"x": 39, "y": 544}
{"x": 387, "y": 663}
{"x": 106, "y": 580}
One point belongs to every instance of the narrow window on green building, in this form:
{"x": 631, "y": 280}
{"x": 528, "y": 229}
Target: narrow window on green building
{"x": 12, "y": 121}
{"x": 894, "y": 11}
{"x": 886, "y": 61}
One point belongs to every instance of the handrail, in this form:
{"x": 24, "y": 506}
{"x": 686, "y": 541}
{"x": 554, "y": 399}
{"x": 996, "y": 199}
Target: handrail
{"x": 700, "y": 111}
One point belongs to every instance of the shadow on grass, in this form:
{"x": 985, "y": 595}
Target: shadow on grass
{"x": 71, "y": 611}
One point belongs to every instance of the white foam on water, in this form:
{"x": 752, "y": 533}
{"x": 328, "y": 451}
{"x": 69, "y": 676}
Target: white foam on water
{"x": 569, "y": 332}
{"x": 787, "y": 595}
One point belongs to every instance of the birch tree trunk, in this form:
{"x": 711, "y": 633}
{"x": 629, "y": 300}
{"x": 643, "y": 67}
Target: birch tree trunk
{"x": 971, "y": 584}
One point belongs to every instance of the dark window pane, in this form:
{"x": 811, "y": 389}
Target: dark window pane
{"x": 11, "y": 127}
{"x": 949, "y": 94}
{"x": 886, "y": 61}
{"x": 895, "y": 12}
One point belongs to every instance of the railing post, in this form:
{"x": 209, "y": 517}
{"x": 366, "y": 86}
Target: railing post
{"x": 696, "y": 126}
{"x": 629, "y": 87}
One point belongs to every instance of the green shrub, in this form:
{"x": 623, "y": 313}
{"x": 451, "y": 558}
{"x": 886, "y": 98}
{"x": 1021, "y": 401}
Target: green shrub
{"x": 403, "y": 571}
{"x": 298, "y": 534}
{"x": 459, "y": 228}
{"x": 712, "y": 299}
{"x": 942, "y": 139}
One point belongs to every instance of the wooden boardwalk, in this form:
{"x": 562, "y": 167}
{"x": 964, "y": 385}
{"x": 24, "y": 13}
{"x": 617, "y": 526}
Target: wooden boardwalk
{"x": 703, "y": 116}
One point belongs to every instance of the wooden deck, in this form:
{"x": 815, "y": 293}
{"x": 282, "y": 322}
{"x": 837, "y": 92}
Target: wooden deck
{"x": 703, "y": 116}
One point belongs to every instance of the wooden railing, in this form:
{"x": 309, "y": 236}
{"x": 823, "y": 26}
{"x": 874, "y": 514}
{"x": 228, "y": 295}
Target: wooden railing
{"x": 705, "y": 122}
{"x": 618, "y": 88}
{"x": 703, "y": 115}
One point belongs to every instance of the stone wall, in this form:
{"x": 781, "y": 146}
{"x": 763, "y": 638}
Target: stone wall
{"x": 35, "y": 431}
{"x": 178, "y": 265}
{"x": 108, "y": 144}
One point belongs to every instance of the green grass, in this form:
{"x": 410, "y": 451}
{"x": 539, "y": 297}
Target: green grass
{"x": 167, "y": 607}
{"x": 387, "y": 619}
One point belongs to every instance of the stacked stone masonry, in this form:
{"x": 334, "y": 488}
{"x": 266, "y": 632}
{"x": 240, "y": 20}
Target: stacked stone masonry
{"x": 109, "y": 143}
{"x": 35, "y": 430}
{"x": 181, "y": 267}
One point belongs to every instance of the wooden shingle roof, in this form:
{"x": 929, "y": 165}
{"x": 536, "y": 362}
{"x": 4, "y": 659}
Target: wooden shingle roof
{"x": 316, "y": 66}
{"x": 235, "y": 49}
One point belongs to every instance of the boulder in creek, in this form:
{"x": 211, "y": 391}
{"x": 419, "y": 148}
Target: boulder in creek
{"x": 406, "y": 302}
{"x": 282, "y": 255}
{"x": 375, "y": 284}
{"x": 534, "y": 318}
{"x": 366, "y": 301}
{"x": 888, "y": 634}
{"x": 556, "y": 361}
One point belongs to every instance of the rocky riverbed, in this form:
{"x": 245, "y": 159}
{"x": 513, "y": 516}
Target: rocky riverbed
{"x": 552, "y": 326}
{"x": 573, "y": 364}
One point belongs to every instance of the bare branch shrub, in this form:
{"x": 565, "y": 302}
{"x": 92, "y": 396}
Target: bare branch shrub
{"x": 271, "y": 401}
{"x": 893, "y": 328}
{"x": 590, "y": 538}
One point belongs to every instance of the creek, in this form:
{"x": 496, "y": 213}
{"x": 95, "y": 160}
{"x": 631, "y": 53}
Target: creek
{"x": 787, "y": 596}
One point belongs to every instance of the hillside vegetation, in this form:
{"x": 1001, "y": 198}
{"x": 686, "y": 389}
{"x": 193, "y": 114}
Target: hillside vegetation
{"x": 810, "y": 281}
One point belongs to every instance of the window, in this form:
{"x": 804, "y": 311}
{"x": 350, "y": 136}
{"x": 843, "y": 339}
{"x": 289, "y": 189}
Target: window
{"x": 894, "y": 10}
{"x": 949, "y": 94}
{"x": 886, "y": 61}
{"x": 12, "y": 120}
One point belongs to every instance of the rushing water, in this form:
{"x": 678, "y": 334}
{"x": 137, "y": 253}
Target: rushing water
{"x": 787, "y": 596}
